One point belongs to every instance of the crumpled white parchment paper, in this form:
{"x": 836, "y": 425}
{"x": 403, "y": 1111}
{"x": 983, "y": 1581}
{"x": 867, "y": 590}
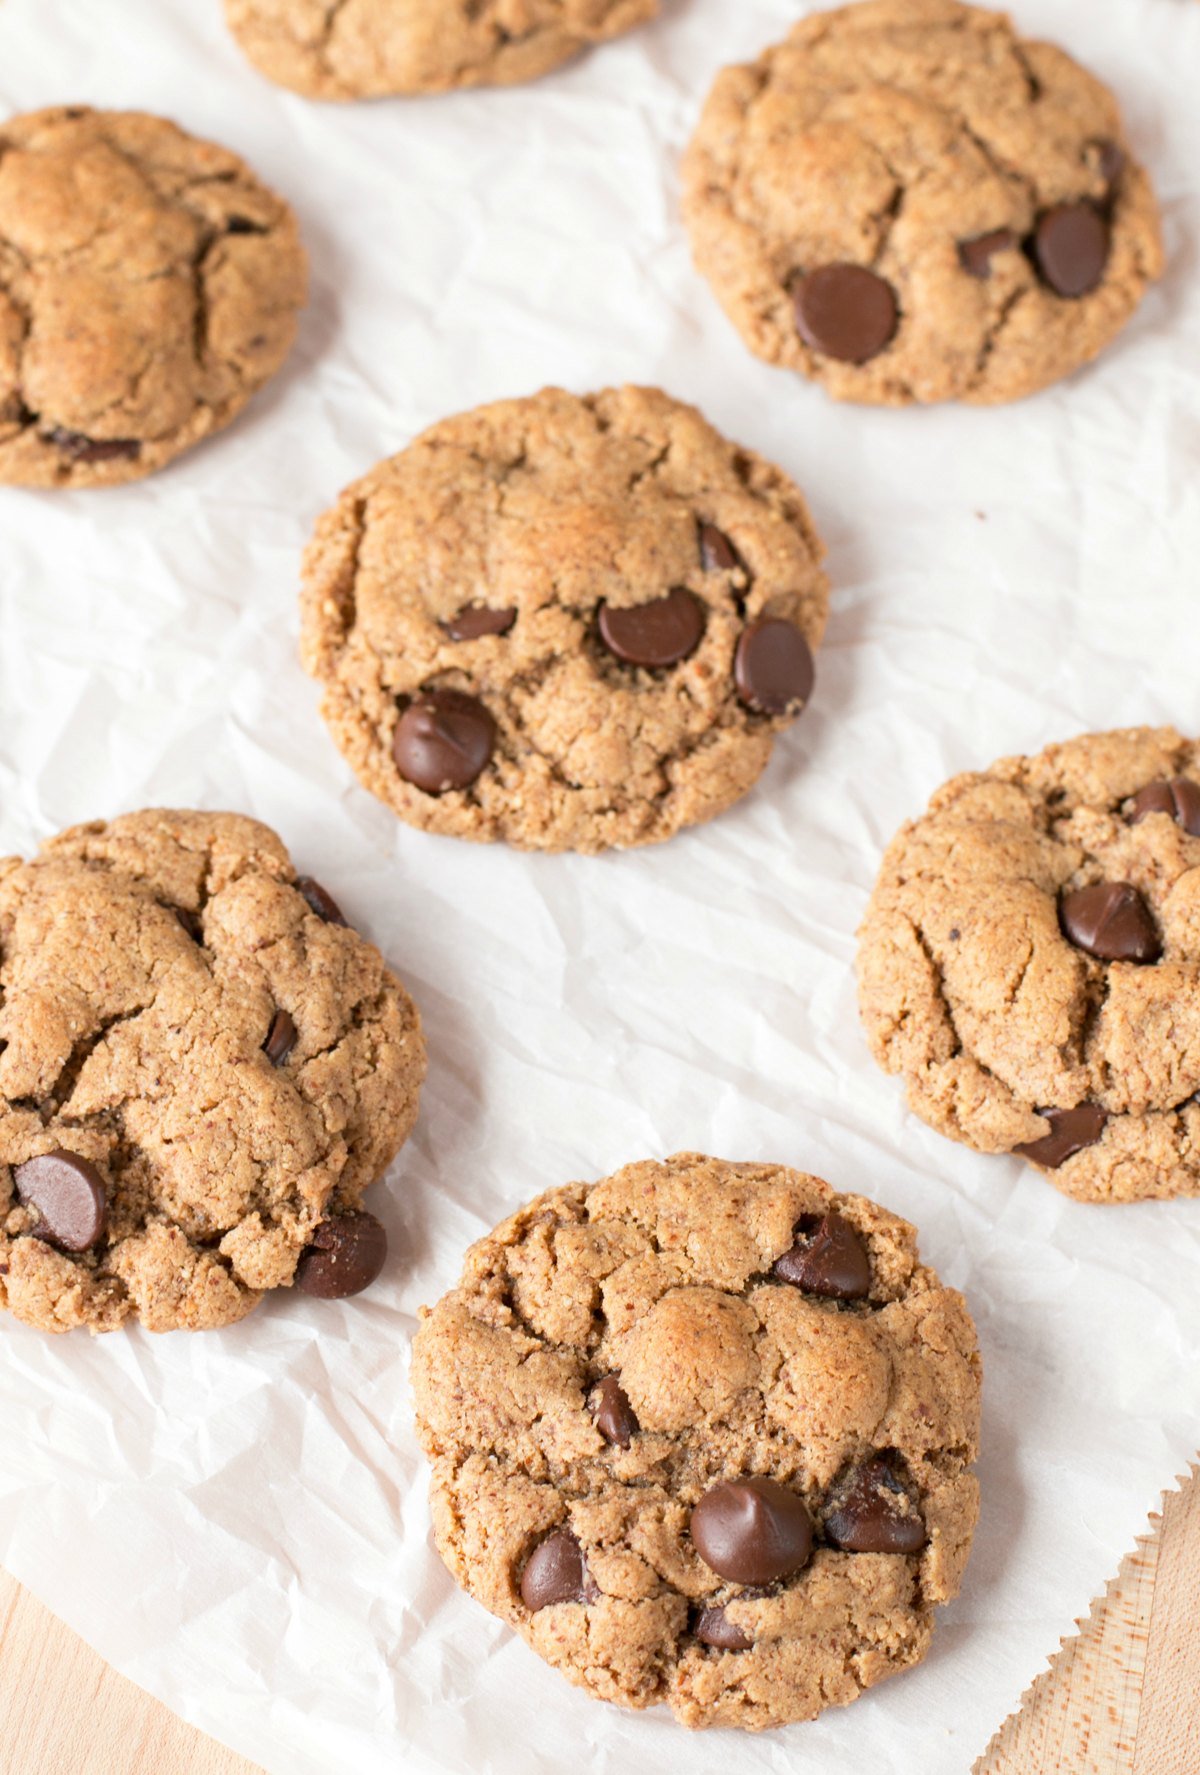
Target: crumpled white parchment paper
{"x": 238, "y": 1521}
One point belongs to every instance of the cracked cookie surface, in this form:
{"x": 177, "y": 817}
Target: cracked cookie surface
{"x": 149, "y": 285}
{"x": 568, "y": 623}
{"x": 1030, "y": 963}
{"x": 681, "y": 1357}
{"x": 907, "y": 202}
{"x": 355, "y": 49}
{"x": 218, "y": 1067}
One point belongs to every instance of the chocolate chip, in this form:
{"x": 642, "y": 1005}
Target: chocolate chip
{"x": 443, "y": 741}
{"x": 846, "y": 312}
{"x": 1111, "y": 159}
{"x": 657, "y": 634}
{"x": 1071, "y": 247}
{"x": 556, "y": 1571}
{"x": 1180, "y": 798}
{"x": 1070, "y": 1131}
{"x": 281, "y": 1038}
{"x": 717, "y": 553}
{"x": 874, "y": 1508}
{"x": 1111, "y": 921}
{"x": 714, "y": 1628}
{"x": 69, "y": 1196}
{"x": 752, "y": 1531}
{"x": 773, "y": 667}
{"x": 976, "y": 255}
{"x": 83, "y": 449}
{"x": 615, "y": 1417}
{"x": 345, "y": 1256}
{"x": 321, "y": 902}
{"x": 828, "y": 1258}
{"x": 477, "y": 620}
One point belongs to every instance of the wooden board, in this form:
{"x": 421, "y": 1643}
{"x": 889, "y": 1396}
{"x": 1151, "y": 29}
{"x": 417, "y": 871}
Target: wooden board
{"x": 1122, "y": 1698}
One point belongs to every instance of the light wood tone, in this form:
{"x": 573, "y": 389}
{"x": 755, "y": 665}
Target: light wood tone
{"x": 1122, "y": 1698}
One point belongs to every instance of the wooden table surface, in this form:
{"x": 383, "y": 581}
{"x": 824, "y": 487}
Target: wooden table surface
{"x": 1123, "y": 1698}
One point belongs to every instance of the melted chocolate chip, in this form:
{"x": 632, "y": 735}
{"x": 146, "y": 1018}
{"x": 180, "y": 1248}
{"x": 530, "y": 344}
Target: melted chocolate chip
{"x": 845, "y": 312}
{"x": 657, "y": 634}
{"x": 615, "y": 1417}
{"x": 478, "y": 620}
{"x": 976, "y": 255}
{"x": 713, "y": 1627}
{"x": 773, "y": 667}
{"x": 1070, "y": 1131}
{"x": 443, "y": 741}
{"x": 345, "y": 1256}
{"x": 874, "y": 1508}
{"x": 83, "y": 449}
{"x": 1111, "y": 921}
{"x": 1180, "y": 798}
{"x": 828, "y": 1258}
{"x": 1070, "y": 248}
{"x": 68, "y": 1195}
{"x": 321, "y": 902}
{"x": 281, "y": 1038}
{"x": 556, "y": 1571}
{"x": 752, "y": 1531}
{"x": 717, "y": 553}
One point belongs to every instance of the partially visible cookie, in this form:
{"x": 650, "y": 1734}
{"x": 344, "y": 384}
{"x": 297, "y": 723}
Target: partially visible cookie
{"x": 202, "y": 1069}
{"x": 907, "y": 202}
{"x": 702, "y": 1433}
{"x": 363, "y": 49}
{"x": 1030, "y": 963}
{"x": 149, "y": 285}
{"x": 568, "y": 623}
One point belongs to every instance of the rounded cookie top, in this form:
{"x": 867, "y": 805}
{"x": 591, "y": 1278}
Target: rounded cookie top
{"x": 569, "y": 623}
{"x": 202, "y": 1068}
{"x": 907, "y": 202}
{"x": 1030, "y": 963}
{"x": 149, "y": 284}
{"x": 701, "y": 1433}
{"x": 370, "y": 48}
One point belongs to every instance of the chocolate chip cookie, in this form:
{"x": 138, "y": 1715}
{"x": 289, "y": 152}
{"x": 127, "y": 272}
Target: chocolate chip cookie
{"x": 202, "y": 1068}
{"x": 1030, "y": 963}
{"x": 568, "y": 623}
{"x": 149, "y": 285}
{"x": 701, "y": 1433}
{"x": 907, "y": 202}
{"x": 359, "y": 49}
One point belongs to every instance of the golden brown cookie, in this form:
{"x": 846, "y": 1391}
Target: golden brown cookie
{"x": 202, "y": 1069}
{"x": 907, "y": 202}
{"x": 149, "y": 285}
{"x": 1030, "y": 963}
{"x": 701, "y": 1433}
{"x": 360, "y": 49}
{"x": 568, "y": 623}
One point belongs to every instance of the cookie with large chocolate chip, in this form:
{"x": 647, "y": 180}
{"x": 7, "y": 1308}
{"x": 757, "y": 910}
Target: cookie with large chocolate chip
{"x": 1030, "y": 963}
{"x": 361, "y": 49}
{"x": 569, "y": 623}
{"x": 149, "y": 285}
{"x": 702, "y": 1434}
{"x": 202, "y": 1070}
{"x": 908, "y": 202}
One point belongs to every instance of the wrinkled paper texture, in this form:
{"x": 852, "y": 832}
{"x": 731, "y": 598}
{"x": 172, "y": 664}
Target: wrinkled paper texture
{"x": 238, "y": 1520}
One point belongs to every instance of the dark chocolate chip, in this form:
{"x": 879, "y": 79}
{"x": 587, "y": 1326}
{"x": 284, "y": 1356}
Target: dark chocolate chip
{"x": 714, "y": 1628}
{"x": 976, "y": 255}
{"x": 321, "y": 902}
{"x": 1070, "y": 1131}
{"x": 69, "y": 1196}
{"x": 1071, "y": 247}
{"x": 477, "y": 620}
{"x": 752, "y": 1531}
{"x": 773, "y": 667}
{"x": 443, "y": 741}
{"x": 281, "y": 1038}
{"x": 345, "y": 1256}
{"x": 828, "y": 1258}
{"x": 874, "y": 1508}
{"x": 83, "y": 449}
{"x": 1111, "y": 921}
{"x": 657, "y": 634}
{"x": 1180, "y": 798}
{"x": 556, "y": 1571}
{"x": 845, "y": 312}
{"x": 615, "y": 1417}
{"x": 1111, "y": 160}
{"x": 717, "y": 553}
